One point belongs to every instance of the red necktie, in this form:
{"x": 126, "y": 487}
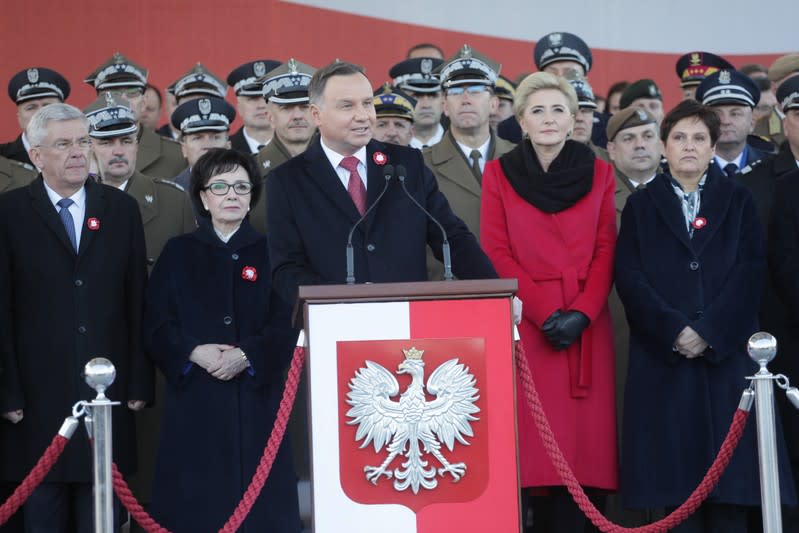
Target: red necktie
{"x": 355, "y": 186}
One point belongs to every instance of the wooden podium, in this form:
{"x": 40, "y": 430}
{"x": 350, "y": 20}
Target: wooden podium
{"x": 412, "y": 406}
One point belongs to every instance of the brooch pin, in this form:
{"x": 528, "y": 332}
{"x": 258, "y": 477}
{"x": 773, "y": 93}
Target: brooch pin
{"x": 249, "y": 273}
{"x": 699, "y": 223}
{"x": 93, "y": 224}
{"x": 379, "y": 158}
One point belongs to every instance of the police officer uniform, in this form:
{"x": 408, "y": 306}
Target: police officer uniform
{"x": 419, "y": 75}
{"x": 201, "y": 114}
{"x": 247, "y": 80}
{"x": 730, "y": 87}
{"x": 286, "y": 84}
{"x": 454, "y": 172}
{"x": 157, "y": 156}
{"x": 14, "y": 174}
{"x": 24, "y": 86}
{"x": 771, "y": 126}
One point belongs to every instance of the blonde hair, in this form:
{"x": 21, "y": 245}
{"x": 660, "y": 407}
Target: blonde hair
{"x": 540, "y": 81}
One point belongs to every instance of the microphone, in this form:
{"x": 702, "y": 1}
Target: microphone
{"x": 388, "y": 172}
{"x": 401, "y": 172}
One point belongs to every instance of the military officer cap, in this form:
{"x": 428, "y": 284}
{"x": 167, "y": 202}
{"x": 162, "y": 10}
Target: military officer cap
{"x": 788, "y": 94}
{"x": 391, "y": 102}
{"x": 728, "y": 87}
{"x": 693, "y": 67}
{"x": 639, "y": 89}
{"x": 37, "y": 82}
{"x": 629, "y": 117}
{"x": 116, "y": 73}
{"x": 110, "y": 116}
{"x": 417, "y": 75}
{"x": 468, "y": 67}
{"x": 562, "y": 46}
{"x": 585, "y": 94}
{"x": 199, "y": 81}
{"x": 203, "y": 114}
{"x": 505, "y": 89}
{"x": 247, "y": 79}
{"x": 783, "y": 66}
{"x": 288, "y": 83}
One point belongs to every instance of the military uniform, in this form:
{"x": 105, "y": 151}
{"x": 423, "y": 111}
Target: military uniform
{"x": 14, "y": 174}
{"x": 15, "y": 150}
{"x": 270, "y": 156}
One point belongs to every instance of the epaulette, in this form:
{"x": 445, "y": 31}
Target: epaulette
{"x": 752, "y": 166}
{"x": 170, "y": 183}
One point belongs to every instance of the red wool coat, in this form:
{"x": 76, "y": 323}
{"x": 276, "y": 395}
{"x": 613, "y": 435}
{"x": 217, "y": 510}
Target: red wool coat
{"x": 562, "y": 261}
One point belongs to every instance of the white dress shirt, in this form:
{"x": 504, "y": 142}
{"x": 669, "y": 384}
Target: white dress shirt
{"x": 252, "y": 142}
{"x": 77, "y": 209}
{"x": 344, "y": 174}
{"x": 467, "y": 151}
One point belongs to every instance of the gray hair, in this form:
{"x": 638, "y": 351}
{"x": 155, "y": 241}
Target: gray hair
{"x": 37, "y": 127}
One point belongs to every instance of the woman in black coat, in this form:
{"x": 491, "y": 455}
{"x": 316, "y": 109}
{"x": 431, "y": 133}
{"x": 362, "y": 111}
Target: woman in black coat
{"x": 223, "y": 339}
{"x": 690, "y": 262}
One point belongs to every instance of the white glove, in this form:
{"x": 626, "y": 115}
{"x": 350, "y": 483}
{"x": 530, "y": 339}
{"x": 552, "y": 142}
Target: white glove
{"x": 516, "y": 309}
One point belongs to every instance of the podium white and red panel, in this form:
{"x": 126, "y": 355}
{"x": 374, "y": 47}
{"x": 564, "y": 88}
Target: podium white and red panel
{"x": 341, "y": 337}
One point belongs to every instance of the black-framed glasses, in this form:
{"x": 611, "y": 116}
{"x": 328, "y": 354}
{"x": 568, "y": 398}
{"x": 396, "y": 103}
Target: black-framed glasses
{"x": 220, "y": 188}
{"x": 471, "y": 89}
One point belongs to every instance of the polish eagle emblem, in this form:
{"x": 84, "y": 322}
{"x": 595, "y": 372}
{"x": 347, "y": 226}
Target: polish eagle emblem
{"x": 413, "y": 426}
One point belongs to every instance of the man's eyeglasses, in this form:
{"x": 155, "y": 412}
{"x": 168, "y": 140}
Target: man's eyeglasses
{"x": 471, "y": 89}
{"x": 129, "y": 92}
{"x": 62, "y": 145}
{"x": 221, "y": 189}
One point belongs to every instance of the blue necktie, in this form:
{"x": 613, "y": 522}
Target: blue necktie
{"x": 731, "y": 169}
{"x": 68, "y": 221}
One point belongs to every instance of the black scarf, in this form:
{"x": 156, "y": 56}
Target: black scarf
{"x": 569, "y": 178}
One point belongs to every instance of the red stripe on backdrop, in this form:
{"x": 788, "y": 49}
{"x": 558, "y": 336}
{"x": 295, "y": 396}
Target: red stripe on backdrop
{"x": 496, "y": 509}
{"x": 169, "y": 37}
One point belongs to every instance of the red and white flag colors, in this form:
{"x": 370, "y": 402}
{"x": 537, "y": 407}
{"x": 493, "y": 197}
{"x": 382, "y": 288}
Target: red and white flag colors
{"x": 413, "y": 357}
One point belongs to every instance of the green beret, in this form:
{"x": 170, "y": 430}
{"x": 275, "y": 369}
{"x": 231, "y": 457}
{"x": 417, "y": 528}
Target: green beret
{"x": 629, "y": 117}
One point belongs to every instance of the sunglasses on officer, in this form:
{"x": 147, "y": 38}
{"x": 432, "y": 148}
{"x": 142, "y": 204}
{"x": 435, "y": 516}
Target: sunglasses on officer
{"x": 471, "y": 89}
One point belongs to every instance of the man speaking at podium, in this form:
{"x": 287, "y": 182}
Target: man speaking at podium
{"x": 314, "y": 200}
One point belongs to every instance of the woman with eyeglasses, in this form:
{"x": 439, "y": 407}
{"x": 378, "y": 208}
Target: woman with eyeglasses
{"x": 548, "y": 220}
{"x": 223, "y": 339}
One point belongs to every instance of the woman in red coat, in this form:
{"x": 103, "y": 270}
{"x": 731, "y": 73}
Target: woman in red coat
{"x": 548, "y": 220}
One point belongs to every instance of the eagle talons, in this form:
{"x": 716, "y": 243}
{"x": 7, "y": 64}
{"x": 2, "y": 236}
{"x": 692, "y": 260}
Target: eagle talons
{"x": 456, "y": 469}
{"x": 373, "y": 473}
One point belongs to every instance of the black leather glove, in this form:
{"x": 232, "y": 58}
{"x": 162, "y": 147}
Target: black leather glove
{"x": 549, "y": 325}
{"x": 567, "y": 328}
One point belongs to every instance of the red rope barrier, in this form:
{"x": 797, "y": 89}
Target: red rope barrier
{"x": 570, "y": 481}
{"x": 259, "y": 477}
{"x": 34, "y": 477}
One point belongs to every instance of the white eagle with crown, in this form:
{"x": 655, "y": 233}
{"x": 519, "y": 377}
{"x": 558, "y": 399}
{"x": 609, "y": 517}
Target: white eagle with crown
{"x": 413, "y": 426}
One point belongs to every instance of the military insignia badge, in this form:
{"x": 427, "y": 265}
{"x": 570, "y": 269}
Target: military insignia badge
{"x": 426, "y": 66}
{"x": 653, "y": 91}
{"x": 555, "y": 39}
{"x": 695, "y": 59}
{"x": 292, "y": 65}
{"x": 725, "y": 77}
{"x": 33, "y": 75}
{"x": 259, "y": 69}
{"x": 148, "y": 198}
{"x": 205, "y": 106}
{"x": 267, "y": 163}
{"x": 466, "y": 51}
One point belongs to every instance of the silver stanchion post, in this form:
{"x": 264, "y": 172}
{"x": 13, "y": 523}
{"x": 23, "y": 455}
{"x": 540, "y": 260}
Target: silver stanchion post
{"x": 762, "y": 349}
{"x": 99, "y": 374}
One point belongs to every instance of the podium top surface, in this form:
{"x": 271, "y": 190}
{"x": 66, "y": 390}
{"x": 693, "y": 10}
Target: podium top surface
{"x": 388, "y": 292}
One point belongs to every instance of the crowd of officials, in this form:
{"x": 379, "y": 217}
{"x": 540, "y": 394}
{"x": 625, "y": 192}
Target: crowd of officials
{"x": 648, "y": 245}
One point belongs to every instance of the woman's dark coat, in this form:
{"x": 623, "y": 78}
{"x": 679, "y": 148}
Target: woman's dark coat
{"x": 214, "y": 432}
{"x": 678, "y": 411}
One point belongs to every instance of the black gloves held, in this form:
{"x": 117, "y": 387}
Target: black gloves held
{"x": 563, "y": 328}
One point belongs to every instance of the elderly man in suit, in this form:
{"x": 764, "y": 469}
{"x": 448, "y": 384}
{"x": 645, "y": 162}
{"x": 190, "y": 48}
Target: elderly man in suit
{"x": 314, "y": 199}
{"x": 72, "y": 276}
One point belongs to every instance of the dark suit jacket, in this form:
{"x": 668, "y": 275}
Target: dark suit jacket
{"x": 676, "y": 409}
{"x": 309, "y": 215}
{"x": 16, "y": 150}
{"x": 58, "y": 310}
{"x": 239, "y": 143}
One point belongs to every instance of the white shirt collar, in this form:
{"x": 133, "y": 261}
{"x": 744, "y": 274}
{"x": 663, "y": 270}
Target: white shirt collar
{"x": 252, "y": 142}
{"x": 639, "y": 183}
{"x": 483, "y": 151}
{"x": 79, "y": 197}
{"x": 335, "y": 157}
{"x": 738, "y": 161}
{"x": 435, "y": 139}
